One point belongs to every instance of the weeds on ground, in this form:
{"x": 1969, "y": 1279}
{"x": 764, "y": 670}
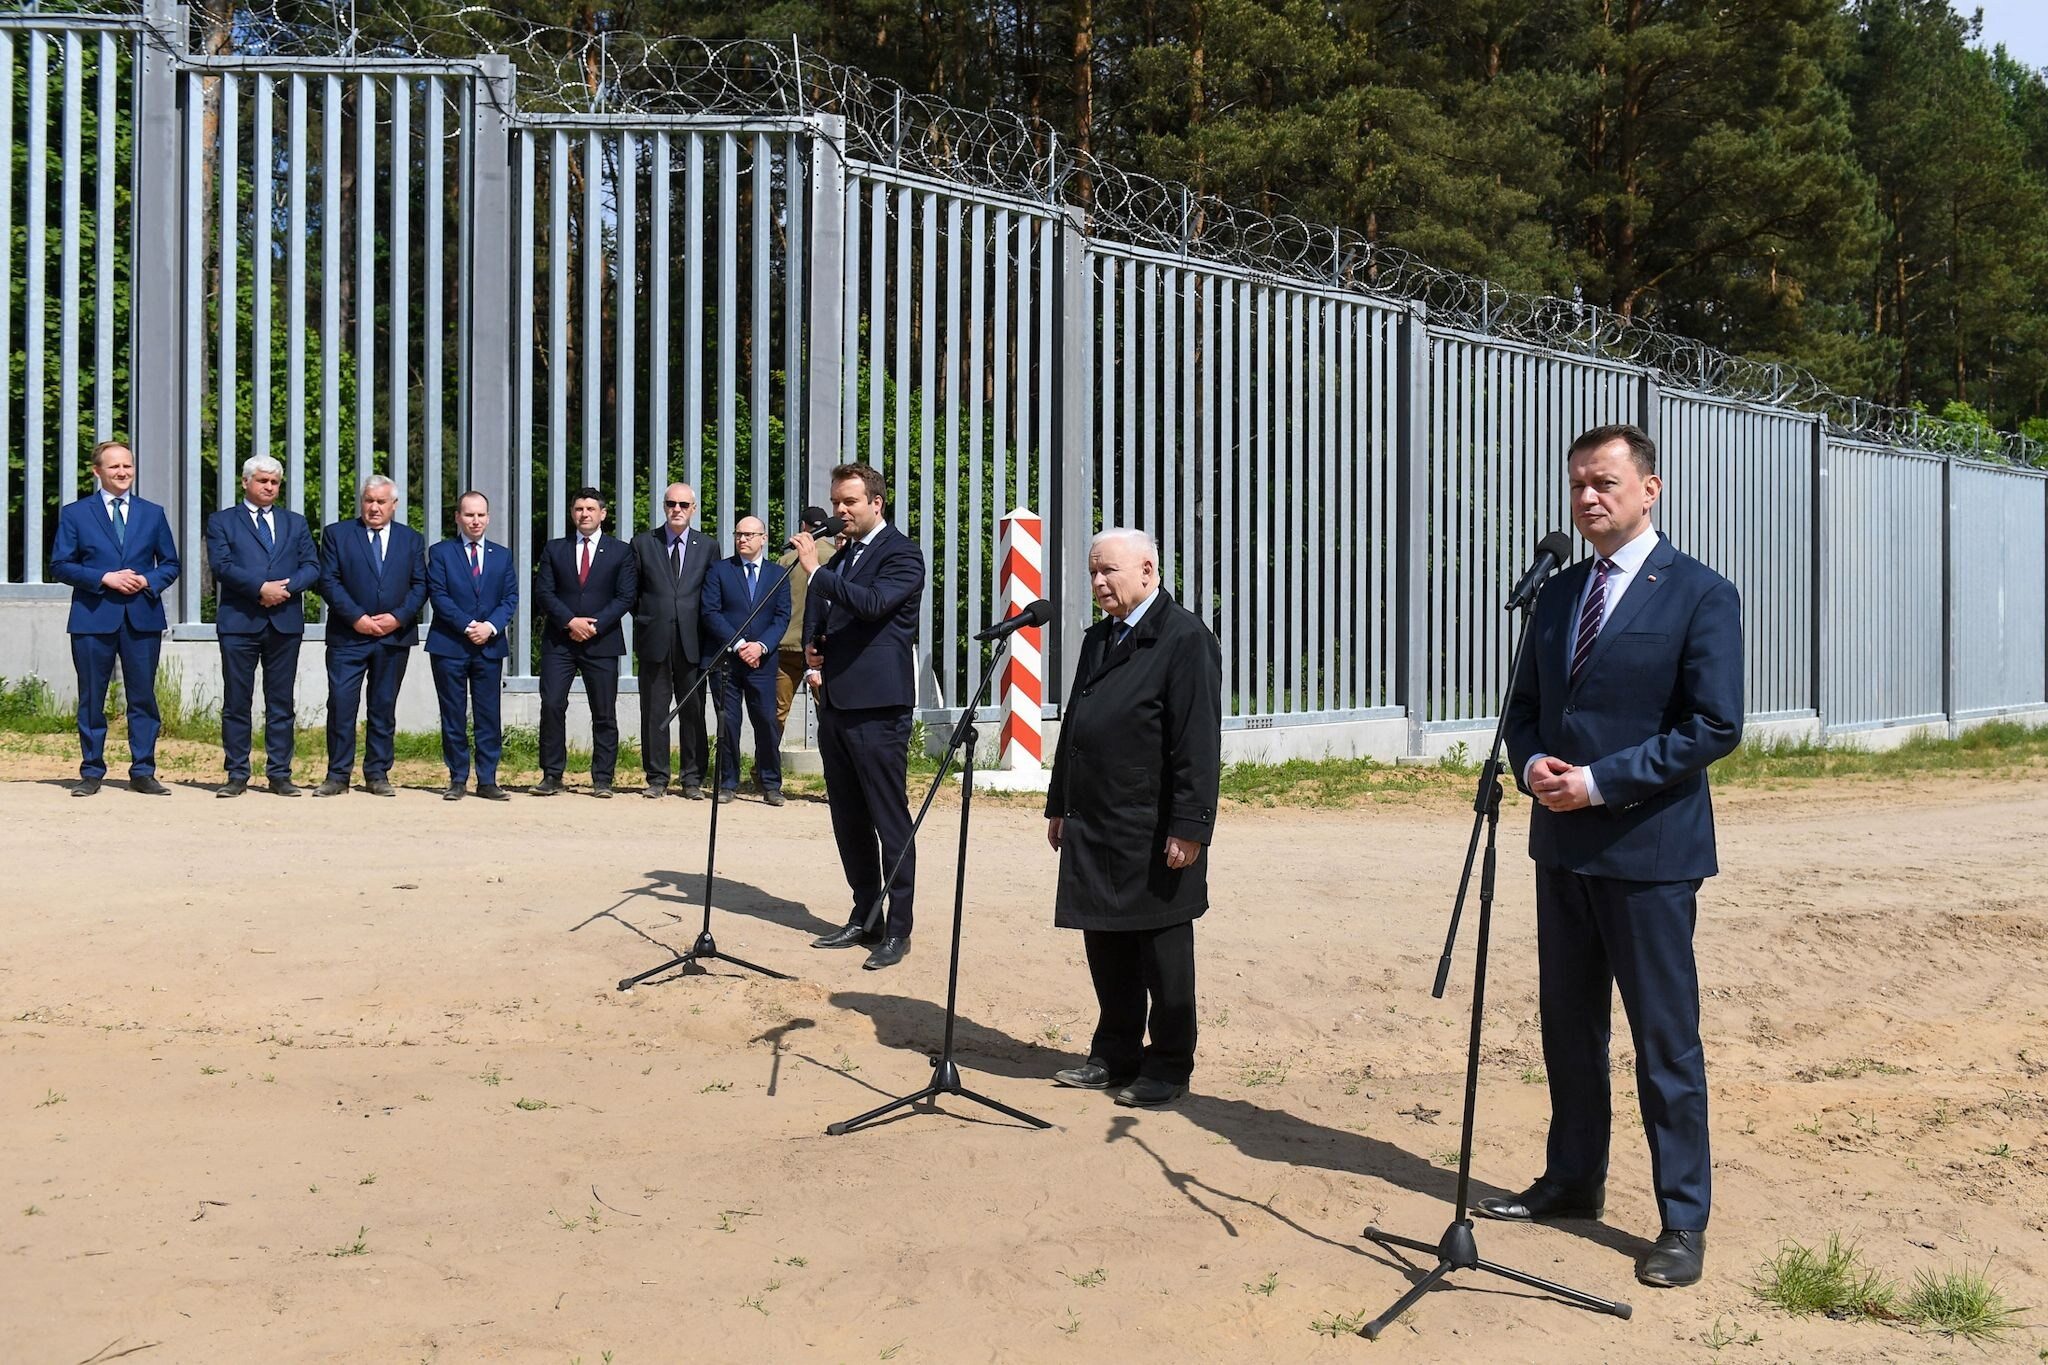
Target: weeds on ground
{"x": 1963, "y": 1303}
{"x": 1836, "y": 1282}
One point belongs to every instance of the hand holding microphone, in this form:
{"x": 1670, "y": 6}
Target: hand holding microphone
{"x": 814, "y": 525}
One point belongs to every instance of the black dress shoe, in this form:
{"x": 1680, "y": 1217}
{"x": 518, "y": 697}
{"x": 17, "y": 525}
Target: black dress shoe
{"x": 491, "y": 791}
{"x": 773, "y": 796}
{"x": 653, "y": 791}
{"x": 848, "y": 936}
{"x": 234, "y": 786}
{"x": 454, "y": 792}
{"x": 284, "y": 786}
{"x": 1146, "y": 1093}
{"x": 1090, "y": 1076}
{"x": 147, "y": 785}
{"x": 1544, "y": 1200}
{"x": 1677, "y": 1260}
{"x": 602, "y": 791}
{"x": 693, "y": 792}
{"x": 726, "y": 795}
{"x": 379, "y": 785}
{"x": 549, "y": 786}
{"x": 333, "y": 786}
{"x": 887, "y": 953}
{"x": 87, "y": 786}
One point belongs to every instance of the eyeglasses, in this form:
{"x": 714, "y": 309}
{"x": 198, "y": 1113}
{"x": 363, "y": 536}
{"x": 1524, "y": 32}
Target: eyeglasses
{"x": 673, "y": 503}
{"x": 748, "y": 535}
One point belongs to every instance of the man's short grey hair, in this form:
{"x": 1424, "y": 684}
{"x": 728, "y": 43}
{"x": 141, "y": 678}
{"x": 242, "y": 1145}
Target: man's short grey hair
{"x": 260, "y": 464}
{"x": 1142, "y": 539}
{"x": 376, "y": 481}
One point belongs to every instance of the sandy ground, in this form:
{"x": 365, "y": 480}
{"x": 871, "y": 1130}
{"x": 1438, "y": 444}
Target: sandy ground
{"x": 350, "y": 1080}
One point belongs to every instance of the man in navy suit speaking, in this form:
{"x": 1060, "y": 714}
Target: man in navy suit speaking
{"x": 1630, "y": 686}
{"x": 373, "y": 573}
{"x": 263, "y": 561}
{"x": 732, "y": 590}
{"x": 114, "y": 550}
{"x": 860, "y": 632}
{"x": 474, "y": 590}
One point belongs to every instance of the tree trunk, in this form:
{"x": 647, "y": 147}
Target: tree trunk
{"x": 1084, "y": 97}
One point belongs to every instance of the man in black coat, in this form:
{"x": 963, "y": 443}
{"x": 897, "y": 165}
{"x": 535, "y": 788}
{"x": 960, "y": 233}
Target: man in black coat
{"x": 585, "y": 584}
{"x": 671, "y": 560}
{"x": 860, "y": 632}
{"x": 1131, "y": 807}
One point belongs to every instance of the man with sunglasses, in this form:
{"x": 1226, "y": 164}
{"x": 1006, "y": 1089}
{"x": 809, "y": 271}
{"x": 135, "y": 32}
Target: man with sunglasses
{"x": 672, "y": 560}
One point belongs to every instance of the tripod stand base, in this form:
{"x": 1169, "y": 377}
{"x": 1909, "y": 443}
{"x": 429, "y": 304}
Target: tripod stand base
{"x": 945, "y": 1081}
{"x": 705, "y": 949}
{"x": 1458, "y": 1251}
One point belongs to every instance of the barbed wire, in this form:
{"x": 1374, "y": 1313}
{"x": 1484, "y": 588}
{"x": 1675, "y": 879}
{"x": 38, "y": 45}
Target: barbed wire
{"x": 601, "y": 70}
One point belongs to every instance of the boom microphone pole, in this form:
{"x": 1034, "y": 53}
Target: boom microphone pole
{"x": 1456, "y": 1249}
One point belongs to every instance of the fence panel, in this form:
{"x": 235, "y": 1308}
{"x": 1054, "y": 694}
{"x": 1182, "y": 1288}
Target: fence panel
{"x": 1501, "y": 418}
{"x": 2001, "y": 587}
{"x": 65, "y": 263}
{"x": 1881, "y": 660}
{"x": 1738, "y": 496}
{"x": 653, "y": 332}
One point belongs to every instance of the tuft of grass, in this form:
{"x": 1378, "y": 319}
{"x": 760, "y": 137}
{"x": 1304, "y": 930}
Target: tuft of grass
{"x": 1962, "y": 1303}
{"x": 32, "y": 1211}
{"x": 1088, "y": 1279}
{"x": 1071, "y": 1325}
{"x": 359, "y": 1247}
{"x": 1534, "y": 1075}
{"x": 1262, "y": 1075}
{"x": 369, "y": 1179}
{"x": 1340, "y": 1324}
{"x": 719, "y": 1086}
{"x": 211, "y": 1070}
{"x": 1992, "y": 747}
{"x": 529, "y": 1105}
{"x": 1836, "y": 1282}
{"x": 28, "y": 706}
{"x": 1719, "y": 1336}
{"x": 1265, "y": 1286}
{"x": 50, "y": 1097}
{"x": 489, "y": 1075}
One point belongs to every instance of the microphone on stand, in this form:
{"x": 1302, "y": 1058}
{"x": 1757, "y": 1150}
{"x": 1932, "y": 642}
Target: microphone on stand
{"x": 820, "y": 526}
{"x": 1037, "y": 614}
{"x": 1551, "y": 551}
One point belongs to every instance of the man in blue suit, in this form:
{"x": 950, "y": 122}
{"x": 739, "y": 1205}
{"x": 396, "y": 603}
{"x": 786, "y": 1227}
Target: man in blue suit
{"x": 263, "y": 562}
{"x": 474, "y": 590}
{"x": 373, "y": 574}
{"x": 860, "y": 628}
{"x": 585, "y": 585}
{"x": 733, "y": 588}
{"x": 1631, "y": 685}
{"x": 115, "y": 552}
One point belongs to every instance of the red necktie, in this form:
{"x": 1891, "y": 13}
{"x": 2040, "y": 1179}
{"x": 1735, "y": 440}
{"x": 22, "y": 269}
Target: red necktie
{"x": 476, "y": 562}
{"x": 583, "y": 564}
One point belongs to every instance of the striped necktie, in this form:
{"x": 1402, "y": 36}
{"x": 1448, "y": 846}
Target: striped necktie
{"x": 1591, "y": 617}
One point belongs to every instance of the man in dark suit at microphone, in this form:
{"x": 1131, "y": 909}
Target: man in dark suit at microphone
{"x": 860, "y": 630}
{"x": 1629, "y": 687}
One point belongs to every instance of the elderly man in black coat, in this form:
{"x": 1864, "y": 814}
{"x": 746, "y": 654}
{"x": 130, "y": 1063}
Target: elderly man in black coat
{"x": 1131, "y": 809}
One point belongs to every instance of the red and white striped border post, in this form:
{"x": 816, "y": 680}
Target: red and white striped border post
{"x": 1020, "y": 551}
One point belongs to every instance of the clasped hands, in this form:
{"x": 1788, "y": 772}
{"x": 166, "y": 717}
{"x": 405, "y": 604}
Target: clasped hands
{"x": 124, "y": 581}
{"x": 1179, "y": 852}
{"x": 1559, "y": 785}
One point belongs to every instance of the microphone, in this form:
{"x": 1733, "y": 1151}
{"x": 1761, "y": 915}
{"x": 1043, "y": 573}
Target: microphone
{"x": 821, "y": 526}
{"x": 1551, "y": 551}
{"x": 1037, "y": 614}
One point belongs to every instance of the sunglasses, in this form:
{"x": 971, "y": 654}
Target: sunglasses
{"x": 681, "y": 504}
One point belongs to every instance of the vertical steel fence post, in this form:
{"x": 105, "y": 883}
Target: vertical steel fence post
{"x": 488, "y": 294}
{"x": 1073, "y": 465}
{"x": 822, "y": 378}
{"x": 156, "y": 221}
{"x": 1949, "y": 679}
{"x": 1411, "y": 581}
{"x": 1823, "y": 592}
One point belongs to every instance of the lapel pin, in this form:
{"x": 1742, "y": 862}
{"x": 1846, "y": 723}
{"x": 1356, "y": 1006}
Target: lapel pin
{"x": 1651, "y": 579}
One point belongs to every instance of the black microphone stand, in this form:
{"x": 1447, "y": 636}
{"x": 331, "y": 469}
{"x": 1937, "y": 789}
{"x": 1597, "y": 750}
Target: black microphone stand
{"x": 1457, "y": 1250}
{"x": 945, "y": 1071}
{"x": 706, "y": 949}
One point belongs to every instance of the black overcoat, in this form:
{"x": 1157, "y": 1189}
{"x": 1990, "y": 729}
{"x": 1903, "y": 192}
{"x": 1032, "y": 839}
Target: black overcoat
{"x": 1139, "y": 758}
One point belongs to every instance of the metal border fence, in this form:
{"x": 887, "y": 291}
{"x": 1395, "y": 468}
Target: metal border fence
{"x": 387, "y": 261}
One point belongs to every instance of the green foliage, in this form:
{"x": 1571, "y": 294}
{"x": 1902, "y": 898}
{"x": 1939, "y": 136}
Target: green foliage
{"x": 1962, "y": 1303}
{"x": 1802, "y": 1281}
{"x": 28, "y": 706}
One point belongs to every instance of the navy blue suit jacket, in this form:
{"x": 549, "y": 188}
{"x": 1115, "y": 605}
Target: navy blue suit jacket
{"x": 605, "y": 599}
{"x": 1660, "y": 699}
{"x": 241, "y": 566}
{"x": 865, "y": 622}
{"x": 354, "y": 589}
{"x": 460, "y": 597}
{"x": 86, "y": 551}
{"x": 723, "y": 607}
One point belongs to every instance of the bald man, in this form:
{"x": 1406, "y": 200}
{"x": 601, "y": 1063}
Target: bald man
{"x": 746, "y": 601}
{"x": 673, "y": 560}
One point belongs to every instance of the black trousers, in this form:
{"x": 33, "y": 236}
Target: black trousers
{"x": 1594, "y": 934}
{"x": 866, "y": 754}
{"x": 558, "y": 668}
{"x": 1144, "y": 978}
{"x": 661, "y": 682}
{"x": 278, "y": 653}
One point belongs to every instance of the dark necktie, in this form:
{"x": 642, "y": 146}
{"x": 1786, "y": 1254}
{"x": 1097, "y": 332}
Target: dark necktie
{"x": 1590, "y": 618}
{"x": 750, "y": 583}
{"x": 377, "y": 550}
{"x": 1123, "y": 633}
{"x": 263, "y": 529}
{"x": 583, "y": 563}
{"x": 476, "y": 561}
{"x": 675, "y": 559}
{"x": 120, "y": 524}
